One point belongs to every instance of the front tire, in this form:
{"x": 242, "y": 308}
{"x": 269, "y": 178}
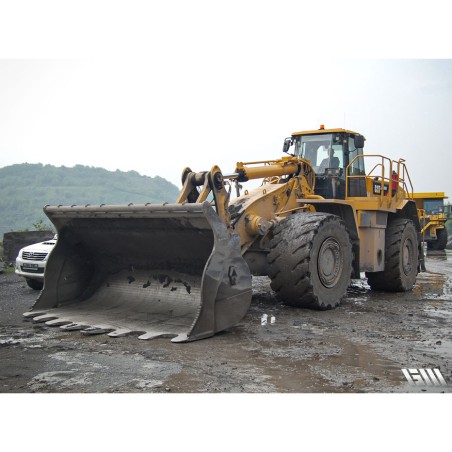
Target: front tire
{"x": 35, "y": 284}
{"x": 440, "y": 242}
{"x": 310, "y": 261}
{"x": 401, "y": 259}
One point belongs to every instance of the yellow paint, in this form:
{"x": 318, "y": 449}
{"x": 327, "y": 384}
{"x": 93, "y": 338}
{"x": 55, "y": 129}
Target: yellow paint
{"x": 430, "y": 195}
{"x": 323, "y": 131}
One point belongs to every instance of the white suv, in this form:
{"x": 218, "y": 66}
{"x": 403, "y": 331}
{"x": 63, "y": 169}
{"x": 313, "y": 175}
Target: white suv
{"x": 31, "y": 262}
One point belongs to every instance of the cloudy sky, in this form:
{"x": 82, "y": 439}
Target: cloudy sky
{"x": 155, "y": 89}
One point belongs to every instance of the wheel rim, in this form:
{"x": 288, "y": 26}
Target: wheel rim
{"x": 407, "y": 256}
{"x": 330, "y": 262}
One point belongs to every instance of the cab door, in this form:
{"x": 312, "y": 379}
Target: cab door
{"x": 356, "y": 186}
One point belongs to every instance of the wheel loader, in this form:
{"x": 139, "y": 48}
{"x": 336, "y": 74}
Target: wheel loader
{"x": 432, "y": 218}
{"x": 183, "y": 270}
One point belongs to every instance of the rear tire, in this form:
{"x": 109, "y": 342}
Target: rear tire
{"x": 440, "y": 242}
{"x": 310, "y": 261}
{"x": 401, "y": 259}
{"x": 34, "y": 283}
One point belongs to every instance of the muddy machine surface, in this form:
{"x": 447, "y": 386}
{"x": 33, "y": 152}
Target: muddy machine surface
{"x": 184, "y": 270}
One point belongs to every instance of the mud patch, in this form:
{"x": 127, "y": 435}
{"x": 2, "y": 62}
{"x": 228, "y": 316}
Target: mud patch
{"x": 99, "y": 372}
{"x": 63, "y": 380}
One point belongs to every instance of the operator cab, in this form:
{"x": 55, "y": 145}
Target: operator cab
{"x": 330, "y": 151}
{"x": 434, "y": 206}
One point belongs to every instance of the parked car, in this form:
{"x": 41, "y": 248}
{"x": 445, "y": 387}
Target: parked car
{"x": 31, "y": 262}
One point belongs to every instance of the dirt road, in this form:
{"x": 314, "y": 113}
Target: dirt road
{"x": 362, "y": 346}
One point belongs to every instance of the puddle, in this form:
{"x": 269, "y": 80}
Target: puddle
{"x": 433, "y": 286}
{"x": 319, "y": 361}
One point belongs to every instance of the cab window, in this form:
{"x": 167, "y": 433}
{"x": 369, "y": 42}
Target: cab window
{"x": 433, "y": 206}
{"x": 357, "y": 167}
{"x": 315, "y": 148}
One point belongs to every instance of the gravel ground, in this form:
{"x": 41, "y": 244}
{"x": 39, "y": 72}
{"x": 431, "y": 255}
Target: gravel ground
{"x": 362, "y": 346}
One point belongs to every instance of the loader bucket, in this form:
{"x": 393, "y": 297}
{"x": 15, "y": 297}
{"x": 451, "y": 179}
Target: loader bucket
{"x": 171, "y": 270}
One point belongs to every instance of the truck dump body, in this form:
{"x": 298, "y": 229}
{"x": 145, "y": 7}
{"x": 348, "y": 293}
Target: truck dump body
{"x": 169, "y": 270}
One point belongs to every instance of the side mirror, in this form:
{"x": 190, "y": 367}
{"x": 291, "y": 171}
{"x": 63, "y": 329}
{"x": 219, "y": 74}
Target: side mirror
{"x": 359, "y": 141}
{"x": 287, "y": 144}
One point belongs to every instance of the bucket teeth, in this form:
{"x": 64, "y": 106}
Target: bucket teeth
{"x": 58, "y": 322}
{"x": 44, "y": 318}
{"x": 180, "y": 338}
{"x": 31, "y": 314}
{"x": 74, "y": 327}
{"x": 120, "y": 332}
{"x": 155, "y": 335}
{"x": 96, "y": 330}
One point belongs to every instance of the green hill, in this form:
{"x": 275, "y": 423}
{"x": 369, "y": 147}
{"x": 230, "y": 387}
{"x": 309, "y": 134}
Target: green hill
{"x": 26, "y": 188}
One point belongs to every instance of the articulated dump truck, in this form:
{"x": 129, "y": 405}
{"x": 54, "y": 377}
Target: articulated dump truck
{"x": 183, "y": 270}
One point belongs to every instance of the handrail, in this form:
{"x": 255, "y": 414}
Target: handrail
{"x": 404, "y": 184}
